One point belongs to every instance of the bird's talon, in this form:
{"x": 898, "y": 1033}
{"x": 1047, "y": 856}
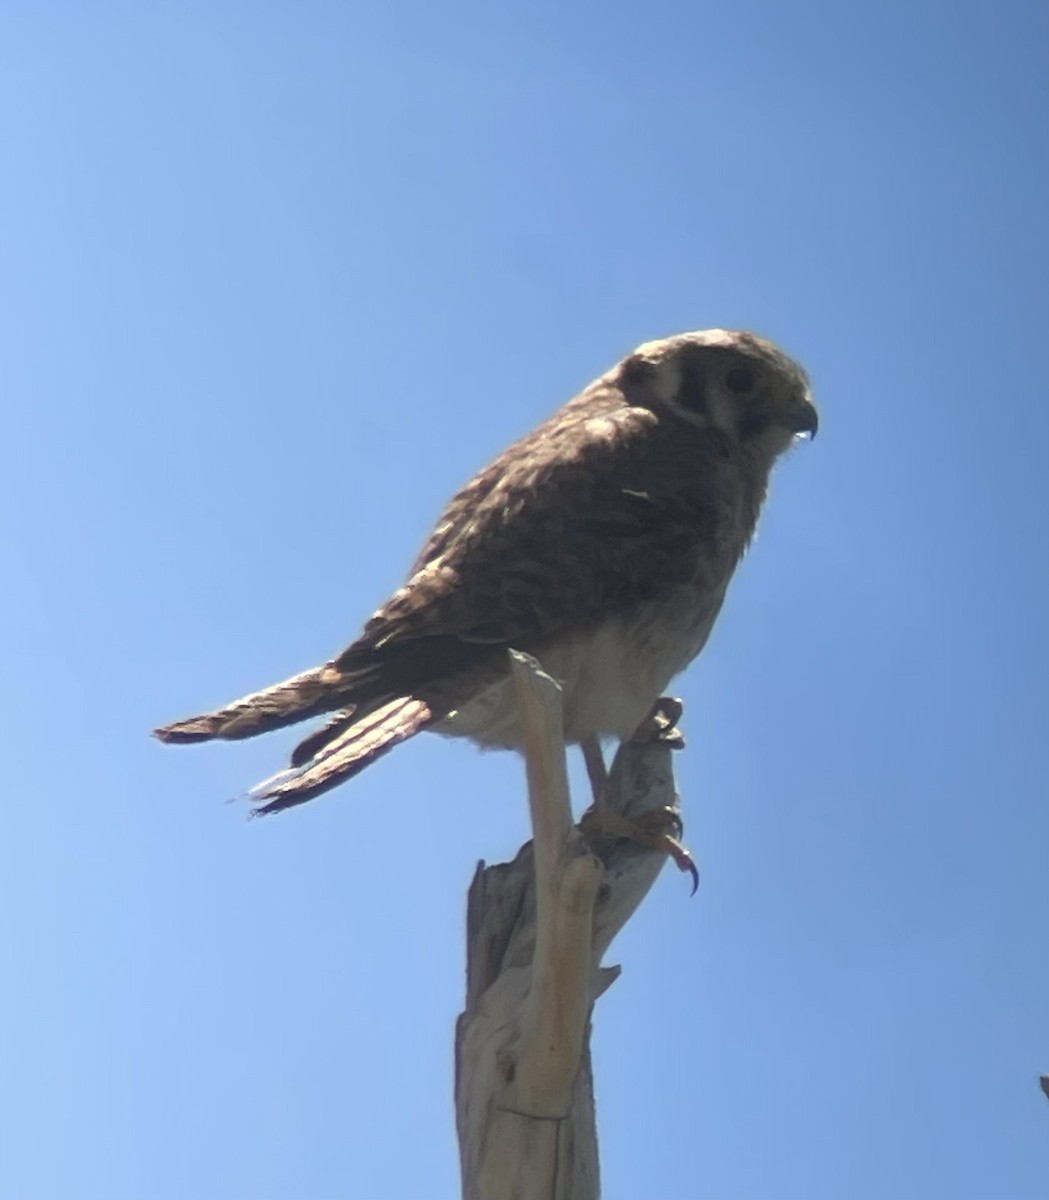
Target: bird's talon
{"x": 683, "y": 860}
{"x": 654, "y": 823}
{"x": 657, "y": 829}
{"x": 660, "y": 726}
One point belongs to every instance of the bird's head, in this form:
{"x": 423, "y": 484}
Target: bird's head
{"x": 738, "y": 382}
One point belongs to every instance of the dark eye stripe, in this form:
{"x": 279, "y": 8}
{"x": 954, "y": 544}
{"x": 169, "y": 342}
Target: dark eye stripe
{"x": 692, "y": 393}
{"x": 753, "y": 424}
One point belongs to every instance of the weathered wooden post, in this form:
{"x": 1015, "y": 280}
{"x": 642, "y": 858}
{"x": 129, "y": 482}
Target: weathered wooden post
{"x": 537, "y": 929}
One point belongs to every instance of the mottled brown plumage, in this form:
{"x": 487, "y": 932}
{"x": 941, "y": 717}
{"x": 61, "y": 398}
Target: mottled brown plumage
{"x": 603, "y": 543}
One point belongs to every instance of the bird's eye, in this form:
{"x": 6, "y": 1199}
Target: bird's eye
{"x": 636, "y": 369}
{"x": 740, "y": 380}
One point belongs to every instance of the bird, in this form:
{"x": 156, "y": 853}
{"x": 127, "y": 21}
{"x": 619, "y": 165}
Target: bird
{"x": 602, "y": 543}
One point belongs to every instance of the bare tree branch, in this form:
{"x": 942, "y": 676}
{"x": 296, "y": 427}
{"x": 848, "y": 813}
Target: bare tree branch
{"x": 537, "y": 928}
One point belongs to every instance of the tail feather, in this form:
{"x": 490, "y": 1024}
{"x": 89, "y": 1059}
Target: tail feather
{"x": 320, "y": 690}
{"x": 351, "y": 745}
{"x": 310, "y": 746}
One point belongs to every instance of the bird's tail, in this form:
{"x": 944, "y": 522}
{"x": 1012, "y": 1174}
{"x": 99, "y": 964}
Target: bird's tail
{"x": 344, "y": 747}
{"x": 320, "y": 690}
{"x": 368, "y": 721}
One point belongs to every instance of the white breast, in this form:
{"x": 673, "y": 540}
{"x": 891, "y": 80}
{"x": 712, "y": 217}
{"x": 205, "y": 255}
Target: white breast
{"x": 610, "y": 676}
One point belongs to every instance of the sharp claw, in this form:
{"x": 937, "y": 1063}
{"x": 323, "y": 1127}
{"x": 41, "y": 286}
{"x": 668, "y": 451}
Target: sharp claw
{"x": 598, "y": 826}
{"x": 683, "y": 860}
{"x": 694, "y": 871}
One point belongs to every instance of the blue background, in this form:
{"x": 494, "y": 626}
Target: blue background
{"x": 276, "y": 280}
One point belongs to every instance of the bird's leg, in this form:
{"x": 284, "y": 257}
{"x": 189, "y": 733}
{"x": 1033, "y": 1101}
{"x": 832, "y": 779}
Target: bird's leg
{"x": 596, "y": 770}
{"x": 659, "y": 828}
{"x": 600, "y": 820}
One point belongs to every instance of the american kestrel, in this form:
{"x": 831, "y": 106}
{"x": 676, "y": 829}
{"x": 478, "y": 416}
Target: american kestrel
{"x": 602, "y": 543}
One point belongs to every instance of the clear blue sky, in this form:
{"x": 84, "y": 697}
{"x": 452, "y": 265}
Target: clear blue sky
{"x": 276, "y": 279}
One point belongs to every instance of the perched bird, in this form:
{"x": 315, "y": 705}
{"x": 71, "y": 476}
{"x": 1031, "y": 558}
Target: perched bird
{"x": 602, "y": 543}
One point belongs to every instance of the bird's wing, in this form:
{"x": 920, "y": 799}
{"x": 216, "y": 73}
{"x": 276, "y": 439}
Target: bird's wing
{"x": 582, "y": 520}
{"x": 586, "y": 518}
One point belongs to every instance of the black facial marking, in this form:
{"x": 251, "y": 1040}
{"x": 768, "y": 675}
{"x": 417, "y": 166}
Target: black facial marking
{"x": 692, "y": 393}
{"x": 753, "y": 423}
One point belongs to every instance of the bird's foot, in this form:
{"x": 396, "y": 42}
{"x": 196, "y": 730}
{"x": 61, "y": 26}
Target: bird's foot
{"x": 661, "y": 724}
{"x": 658, "y": 829}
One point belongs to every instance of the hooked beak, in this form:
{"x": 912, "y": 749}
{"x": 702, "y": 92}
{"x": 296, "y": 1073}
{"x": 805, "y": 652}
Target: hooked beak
{"x": 805, "y": 419}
